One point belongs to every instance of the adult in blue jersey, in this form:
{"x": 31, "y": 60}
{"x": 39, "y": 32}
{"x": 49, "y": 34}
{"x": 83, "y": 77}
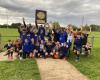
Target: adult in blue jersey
{"x": 56, "y": 35}
{"x": 22, "y": 32}
{"x": 62, "y": 37}
{"x": 29, "y": 35}
{"x": 41, "y": 32}
{"x": 65, "y": 35}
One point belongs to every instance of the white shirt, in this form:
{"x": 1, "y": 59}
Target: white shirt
{"x": 70, "y": 38}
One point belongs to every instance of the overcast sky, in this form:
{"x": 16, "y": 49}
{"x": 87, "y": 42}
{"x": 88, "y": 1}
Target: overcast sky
{"x": 64, "y": 11}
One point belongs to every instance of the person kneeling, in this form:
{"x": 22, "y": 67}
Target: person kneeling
{"x": 42, "y": 50}
{"x": 9, "y": 47}
{"x": 63, "y": 51}
{"x": 87, "y": 48}
{"x": 55, "y": 52}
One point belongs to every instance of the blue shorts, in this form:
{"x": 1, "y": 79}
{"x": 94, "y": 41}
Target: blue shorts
{"x": 78, "y": 48}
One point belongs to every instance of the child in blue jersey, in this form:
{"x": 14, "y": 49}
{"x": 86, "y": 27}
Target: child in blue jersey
{"x": 32, "y": 47}
{"x": 78, "y": 46}
{"x": 49, "y": 47}
{"x": 63, "y": 51}
{"x": 9, "y": 47}
{"x": 42, "y": 49}
{"x": 36, "y": 50}
{"x": 26, "y": 49}
{"x": 55, "y": 51}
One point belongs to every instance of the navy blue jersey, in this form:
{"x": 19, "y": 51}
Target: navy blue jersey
{"x": 32, "y": 47}
{"x": 8, "y": 46}
{"x": 41, "y": 31}
{"x": 41, "y": 47}
{"x": 84, "y": 39}
{"x": 36, "y": 38}
{"x": 56, "y": 35}
{"x": 41, "y": 37}
{"x": 23, "y": 36}
{"x": 63, "y": 50}
{"x": 30, "y": 35}
{"x": 78, "y": 42}
{"x": 26, "y": 47}
{"x": 48, "y": 47}
{"x": 65, "y": 36}
{"x": 62, "y": 37}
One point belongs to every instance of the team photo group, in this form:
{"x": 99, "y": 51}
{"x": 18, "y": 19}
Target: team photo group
{"x": 57, "y": 43}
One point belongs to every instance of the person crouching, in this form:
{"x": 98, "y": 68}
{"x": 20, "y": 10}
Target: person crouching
{"x": 48, "y": 48}
{"x": 9, "y": 47}
{"x": 55, "y": 51}
{"x": 18, "y": 48}
{"x": 42, "y": 50}
{"x": 63, "y": 51}
{"x": 87, "y": 48}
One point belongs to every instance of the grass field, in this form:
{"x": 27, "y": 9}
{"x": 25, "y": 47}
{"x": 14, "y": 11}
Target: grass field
{"x": 17, "y": 70}
{"x": 89, "y": 66}
{"x": 7, "y": 34}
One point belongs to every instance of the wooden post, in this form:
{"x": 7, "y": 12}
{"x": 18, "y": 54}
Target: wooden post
{"x": 0, "y": 37}
{"x": 92, "y": 40}
{"x": 92, "y": 43}
{"x": 0, "y": 42}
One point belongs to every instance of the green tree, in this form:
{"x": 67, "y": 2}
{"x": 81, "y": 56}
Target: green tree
{"x": 95, "y": 27}
{"x": 56, "y": 25}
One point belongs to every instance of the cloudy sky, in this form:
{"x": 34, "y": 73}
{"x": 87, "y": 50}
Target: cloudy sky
{"x": 64, "y": 11}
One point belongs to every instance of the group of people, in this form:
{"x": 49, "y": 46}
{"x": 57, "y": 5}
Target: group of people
{"x": 56, "y": 44}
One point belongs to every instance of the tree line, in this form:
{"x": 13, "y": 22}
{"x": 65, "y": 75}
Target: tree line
{"x": 93, "y": 27}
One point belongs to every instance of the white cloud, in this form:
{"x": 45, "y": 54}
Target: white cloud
{"x": 64, "y": 11}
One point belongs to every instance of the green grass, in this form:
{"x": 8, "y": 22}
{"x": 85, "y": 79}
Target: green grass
{"x": 90, "y": 66}
{"x": 25, "y": 70}
{"x": 19, "y": 70}
{"x": 16, "y": 70}
{"x": 8, "y": 34}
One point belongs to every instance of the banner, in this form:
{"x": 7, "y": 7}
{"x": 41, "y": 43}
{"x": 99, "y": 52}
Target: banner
{"x": 40, "y": 17}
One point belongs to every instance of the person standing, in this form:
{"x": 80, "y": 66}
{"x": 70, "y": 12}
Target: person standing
{"x": 78, "y": 46}
{"x": 41, "y": 32}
